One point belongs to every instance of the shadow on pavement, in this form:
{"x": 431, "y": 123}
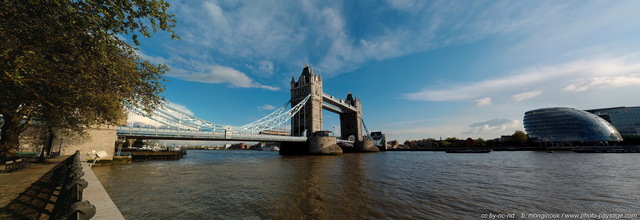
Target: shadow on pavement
{"x": 37, "y": 201}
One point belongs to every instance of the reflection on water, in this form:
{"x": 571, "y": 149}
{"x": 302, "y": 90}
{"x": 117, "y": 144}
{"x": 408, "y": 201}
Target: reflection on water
{"x": 387, "y": 185}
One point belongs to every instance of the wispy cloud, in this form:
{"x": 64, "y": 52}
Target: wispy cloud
{"x": 526, "y": 95}
{"x": 605, "y": 71}
{"x": 604, "y": 81}
{"x": 219, "y": 74}
{"x": 138, "y": 120}
{"x": 322, "y": 32}
{"x": 259, "y": 38}
{"x": 266, "y": 107}
{"x": 495, "y": 126}
{"x": 266, "y": 66}
{"x": 180, "y": 107}
{"x": 482, "y": 102}
{"x": 425, "y": 132}
{"x": 197, "y": 71}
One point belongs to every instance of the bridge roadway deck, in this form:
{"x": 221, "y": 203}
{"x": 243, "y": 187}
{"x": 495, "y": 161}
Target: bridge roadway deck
{"x": 214, "y": 135}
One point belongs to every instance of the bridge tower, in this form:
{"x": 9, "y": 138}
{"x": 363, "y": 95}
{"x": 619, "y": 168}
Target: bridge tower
{"x": 308, "y": 120}
{"x": 351, "y": 122}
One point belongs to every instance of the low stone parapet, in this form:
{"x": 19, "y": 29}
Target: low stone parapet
{"x": 95, "y": 192}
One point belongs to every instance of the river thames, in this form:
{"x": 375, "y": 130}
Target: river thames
{"x": 385, "y": 185}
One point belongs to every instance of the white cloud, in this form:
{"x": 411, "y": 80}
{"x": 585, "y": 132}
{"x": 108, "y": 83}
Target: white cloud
{"x": 482, "y": 102}
{"x": 152, "y": 59}
{"x": 322, "y": 32}
{"x": 539, "y": 77}
{"x": 526, "y": 95}
{"x": 266, "y": 107}
{"x": 181, "y": 108}
{"x": 604, "y": 81}
{"x": 210, "y": 73}
{"x": 219, "y": 74}
{"x": 495, "y": 127}
{"x": 242, "y": 30}
{"x": 265, "y": 66}
{"x": 216, "y": 15}
{"x": 134, "y": 119}
{"x": 425, "y": 132}
{"x": 336, "y": 40}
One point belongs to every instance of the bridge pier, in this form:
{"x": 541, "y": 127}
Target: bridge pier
{"x": 365, "y": 146}
{"x": 323, "y": 146}
{"x": 320, "y": 143}
{"x": 316, "y": 145}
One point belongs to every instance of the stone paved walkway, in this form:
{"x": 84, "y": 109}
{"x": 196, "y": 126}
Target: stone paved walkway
{"x": 27, "y": 193}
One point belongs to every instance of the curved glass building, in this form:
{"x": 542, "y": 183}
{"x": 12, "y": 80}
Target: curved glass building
{"x": 562, "y": 124}
{"x": 625, "y": 119}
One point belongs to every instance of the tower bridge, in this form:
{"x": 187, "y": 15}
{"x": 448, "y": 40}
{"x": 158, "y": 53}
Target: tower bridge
{"x": 306, "y": 135}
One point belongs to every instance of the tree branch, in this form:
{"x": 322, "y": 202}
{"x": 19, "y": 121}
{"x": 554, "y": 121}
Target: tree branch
{"x": 33, "y": 92}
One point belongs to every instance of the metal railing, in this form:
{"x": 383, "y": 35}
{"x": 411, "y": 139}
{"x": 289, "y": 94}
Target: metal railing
{"x": 70, "y": 204}
{"x": 216, "y": 134}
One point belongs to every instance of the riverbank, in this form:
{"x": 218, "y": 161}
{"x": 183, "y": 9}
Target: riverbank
{"x": 494, "y": 149}
{"x": 30, "y": 193}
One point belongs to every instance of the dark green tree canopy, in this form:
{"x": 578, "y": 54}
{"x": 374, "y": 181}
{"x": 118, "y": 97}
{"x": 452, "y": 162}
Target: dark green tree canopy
{"x": 518, "y": 138}
{"x": 61, "y": 61}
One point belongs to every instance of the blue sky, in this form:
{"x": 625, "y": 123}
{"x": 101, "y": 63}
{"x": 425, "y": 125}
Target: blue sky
{"x": 421, "y": 68}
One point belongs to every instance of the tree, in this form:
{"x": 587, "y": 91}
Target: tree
{"x": 480, "y": 142}
{"x": 63, "y": 63}
{"x": 518, "y": 138}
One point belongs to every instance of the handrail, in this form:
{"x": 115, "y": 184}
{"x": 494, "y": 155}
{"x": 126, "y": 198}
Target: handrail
{"x": 70, "y": 204}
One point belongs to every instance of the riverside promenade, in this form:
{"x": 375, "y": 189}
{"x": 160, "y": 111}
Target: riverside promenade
{"x": 30, "y": 194}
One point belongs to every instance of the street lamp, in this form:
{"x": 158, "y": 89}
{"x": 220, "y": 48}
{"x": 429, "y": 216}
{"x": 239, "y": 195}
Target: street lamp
{"x": 60, "y": 149}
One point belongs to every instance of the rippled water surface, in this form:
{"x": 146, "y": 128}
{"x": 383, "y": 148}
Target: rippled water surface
{"x": 386, "y": 185}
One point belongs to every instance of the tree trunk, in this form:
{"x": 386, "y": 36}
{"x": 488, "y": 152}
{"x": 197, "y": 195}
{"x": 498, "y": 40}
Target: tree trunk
{"x": 10, "y": 137}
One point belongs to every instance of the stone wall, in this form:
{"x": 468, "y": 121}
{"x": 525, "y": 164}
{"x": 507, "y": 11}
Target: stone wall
{"x": 100, "y": 138}
{"x": 32, "y": 139}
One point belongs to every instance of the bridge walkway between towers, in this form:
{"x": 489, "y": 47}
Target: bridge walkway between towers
{"x": 335, "y": 105}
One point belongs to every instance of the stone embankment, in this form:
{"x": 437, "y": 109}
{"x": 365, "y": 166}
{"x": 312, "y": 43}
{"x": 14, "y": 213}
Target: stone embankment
{"x": 32, "y": 192}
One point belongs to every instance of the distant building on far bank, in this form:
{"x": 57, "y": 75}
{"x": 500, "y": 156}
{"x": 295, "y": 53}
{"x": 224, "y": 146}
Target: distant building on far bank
{"x": 561, "y": 125}
{"x": 239, "y": 146}
{"x": 392, "y": 144}
{"x": 625, "y": 119}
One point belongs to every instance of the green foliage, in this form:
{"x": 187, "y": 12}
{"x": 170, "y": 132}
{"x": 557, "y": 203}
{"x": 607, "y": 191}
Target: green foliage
{"x": 518, "y": 138}
{"x": 480, "y": 142}
{"x": 61, "y": 62}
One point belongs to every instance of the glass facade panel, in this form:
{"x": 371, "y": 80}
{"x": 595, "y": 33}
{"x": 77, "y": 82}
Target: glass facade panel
{"x": 567, "y": 125}
{"x": 625, "y": 119}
